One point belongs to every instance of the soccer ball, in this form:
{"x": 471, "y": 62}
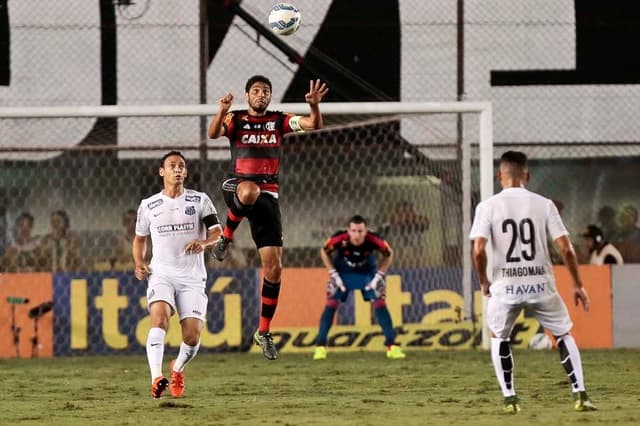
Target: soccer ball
{"x": 540, "y": 341}
{"x": 284, "y": 19}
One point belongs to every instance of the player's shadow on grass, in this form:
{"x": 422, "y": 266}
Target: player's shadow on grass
{"x": 172, "y": 404}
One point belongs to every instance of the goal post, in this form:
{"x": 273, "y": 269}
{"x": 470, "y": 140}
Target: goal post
{"x": 387, "y": 139}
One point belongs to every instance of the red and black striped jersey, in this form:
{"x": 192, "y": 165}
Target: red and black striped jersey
{"x": 340, "y": 242}
{"x": 256, "y": 144}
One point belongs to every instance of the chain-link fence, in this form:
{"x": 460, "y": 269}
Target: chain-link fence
{"x": 376, "y": 166}
{"x": 561, "y": 83}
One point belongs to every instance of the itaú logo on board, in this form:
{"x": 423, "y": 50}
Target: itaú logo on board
{"x": 260, "y": 139}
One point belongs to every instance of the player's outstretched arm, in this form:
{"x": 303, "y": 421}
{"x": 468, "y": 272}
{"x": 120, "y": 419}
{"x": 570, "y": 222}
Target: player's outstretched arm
{"x": 565, "y": 248}
{"x": 215, "y": 127}
{"x": 317, "y": 90}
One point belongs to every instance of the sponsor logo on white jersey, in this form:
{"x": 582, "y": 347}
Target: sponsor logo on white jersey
{"x": 525, "y": 289}
{"x": 173, "y": 227}
{"x": 154, "y": 204}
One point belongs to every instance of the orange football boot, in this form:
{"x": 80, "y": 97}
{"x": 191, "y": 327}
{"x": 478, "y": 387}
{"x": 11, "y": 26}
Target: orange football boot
{"x": 177, "y": 382}
{"x": 158, "y": 386}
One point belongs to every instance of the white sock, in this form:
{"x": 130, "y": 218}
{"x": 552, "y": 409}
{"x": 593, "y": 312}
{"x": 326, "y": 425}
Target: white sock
{"x": 571, "y": 361}
{"x": 185, "y": 355}
{"x": 155, "y": 351}
{"x": 503, "y": 365}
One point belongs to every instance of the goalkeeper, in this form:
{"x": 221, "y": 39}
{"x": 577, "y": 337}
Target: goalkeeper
{"x": 354, "y": 267}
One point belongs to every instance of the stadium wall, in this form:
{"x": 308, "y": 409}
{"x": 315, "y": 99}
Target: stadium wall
{"x": 105, "y": 313}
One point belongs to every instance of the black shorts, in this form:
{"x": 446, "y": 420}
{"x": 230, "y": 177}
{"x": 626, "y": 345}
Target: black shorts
{"x": 264, "y": 218}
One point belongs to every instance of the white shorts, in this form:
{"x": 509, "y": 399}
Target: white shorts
{"x": 187, "y": 298}
{"x": 551, "y": 313}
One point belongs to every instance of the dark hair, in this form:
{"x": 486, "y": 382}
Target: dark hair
{"x": 25, "y": 215}
{"x": 257, "y": 79}
{"x": 64, "y": 216}
{"x": 357, "y": 219}
{"x": 515, "y": 157}
{"x": 169, "y": 154}
{"x": 594, "y": 232}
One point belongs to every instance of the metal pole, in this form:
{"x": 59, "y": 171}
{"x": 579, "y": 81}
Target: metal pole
{"x": 464, "y": 160}
{"x": 204, "y": 65}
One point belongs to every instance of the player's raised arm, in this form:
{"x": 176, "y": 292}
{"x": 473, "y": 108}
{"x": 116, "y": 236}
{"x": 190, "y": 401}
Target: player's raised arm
{"x": 215, "y": 127}
{"x": 317, "y": 90}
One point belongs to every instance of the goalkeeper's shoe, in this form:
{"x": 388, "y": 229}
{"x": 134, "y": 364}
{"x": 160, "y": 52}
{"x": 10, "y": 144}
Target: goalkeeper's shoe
{"x": 177, "y": 382}
{"x": 511, "y": 405}
{"x": 265, "y": 340}
{"x": 158, "y": 386}
{"x": 582, "y": 402}
{"x": 395, "y": 352}
{"x": 320, "y": 353}
{"x": 221, "y": 249}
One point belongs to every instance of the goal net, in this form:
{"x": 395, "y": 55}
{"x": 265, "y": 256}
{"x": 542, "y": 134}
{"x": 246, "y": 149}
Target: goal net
{"x": 414, "y": 170}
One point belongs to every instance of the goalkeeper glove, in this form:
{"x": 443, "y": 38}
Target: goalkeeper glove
{"x": 378, "y": 285}
{"x": 335, "y": 283}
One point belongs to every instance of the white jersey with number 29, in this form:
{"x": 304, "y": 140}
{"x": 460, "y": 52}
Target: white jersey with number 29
{"x": 517, "y": 222}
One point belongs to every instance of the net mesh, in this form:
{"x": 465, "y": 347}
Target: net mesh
{"x": 541, "y": 67}
{"x": 401, "y": 172}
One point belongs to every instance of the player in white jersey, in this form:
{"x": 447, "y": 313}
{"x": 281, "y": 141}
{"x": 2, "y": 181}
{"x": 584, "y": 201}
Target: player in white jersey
{"x": 182, "y": 223}
{"x": 517, "y": 222}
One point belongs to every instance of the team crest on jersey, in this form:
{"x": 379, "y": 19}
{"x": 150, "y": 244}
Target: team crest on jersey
{"x": 270, "y": 126}
{"x": 154, "y": 204}
{"x": 190, "y": 210}
{"x": 192, "y": 198}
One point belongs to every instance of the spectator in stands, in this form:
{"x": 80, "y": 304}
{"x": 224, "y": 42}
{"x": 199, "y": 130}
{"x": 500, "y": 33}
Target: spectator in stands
{"x": 451, "y": 214}
{"x": 628, "y": 240}
{"x": 601, "y": 251}
{"x": 4, "y": 240}
{"x": 60, "y": 248}
{"x": 555, "y": 257}
{"x": 122, "y": 252}
{"x": 408, "y": 228}
{"x": 607, "y": 222}
{"x": 21, "y": 255}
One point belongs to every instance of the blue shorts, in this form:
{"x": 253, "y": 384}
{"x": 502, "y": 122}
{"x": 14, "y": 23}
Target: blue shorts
{"x": 355, "y": 281}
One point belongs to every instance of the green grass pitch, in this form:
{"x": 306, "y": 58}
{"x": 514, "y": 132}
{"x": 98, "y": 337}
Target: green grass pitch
{"x": 347, "y": 389}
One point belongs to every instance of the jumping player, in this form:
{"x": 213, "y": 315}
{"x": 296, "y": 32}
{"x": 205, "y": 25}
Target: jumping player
{"x": 251, "y": 191}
